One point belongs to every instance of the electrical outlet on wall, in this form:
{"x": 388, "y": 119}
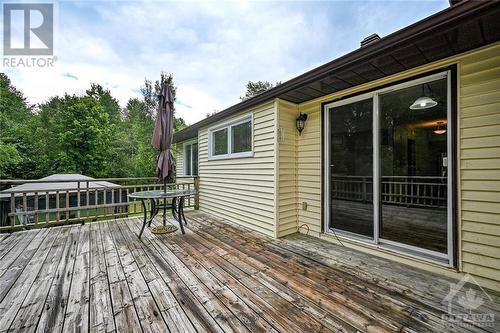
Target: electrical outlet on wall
{"x": 304, "y": 205}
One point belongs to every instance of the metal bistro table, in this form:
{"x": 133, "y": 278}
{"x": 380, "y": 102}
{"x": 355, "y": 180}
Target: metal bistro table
{"x": 178, "y": 198}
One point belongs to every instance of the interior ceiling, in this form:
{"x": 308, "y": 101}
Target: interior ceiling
{"x": 482, "y": 29}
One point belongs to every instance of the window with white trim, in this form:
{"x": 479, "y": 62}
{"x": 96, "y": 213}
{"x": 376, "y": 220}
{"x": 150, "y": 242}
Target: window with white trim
{"x": 191, "y": 158}
{"x": 231, "y": 140}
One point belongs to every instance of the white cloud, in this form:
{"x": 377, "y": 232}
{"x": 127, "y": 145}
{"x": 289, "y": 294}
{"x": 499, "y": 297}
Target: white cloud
{"x": 212, "y": 48}
{"x": 195, "y": 104}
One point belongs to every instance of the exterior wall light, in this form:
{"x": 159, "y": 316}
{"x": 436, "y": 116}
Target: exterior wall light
{"x": 300, "y": 122}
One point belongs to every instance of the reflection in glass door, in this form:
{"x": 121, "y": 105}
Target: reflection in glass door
{"x": 351, "y": 168}
{"x": 388, "y": 165}
{"x": 413, "y": 165}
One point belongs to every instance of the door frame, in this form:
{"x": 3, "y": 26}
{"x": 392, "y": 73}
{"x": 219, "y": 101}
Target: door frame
{"x": 446, "y": 259}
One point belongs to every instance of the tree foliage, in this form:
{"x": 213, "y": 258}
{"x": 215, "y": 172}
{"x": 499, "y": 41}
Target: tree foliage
{"x": 10, "y": 158}
{"x": 88, "y": 134}
{"x": 15, "y": 124}
{"x": 108, "y": 102}
{"x": 81, "y": 132}
{"x": 256, "y": 88}
{"x": 151, "y": 90}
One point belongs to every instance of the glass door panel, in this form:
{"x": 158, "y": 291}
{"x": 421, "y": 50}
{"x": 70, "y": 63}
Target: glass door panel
{"x": 413, "y": 166}
{"x": 195, "y": 159}
{"x": 351, "y": 167}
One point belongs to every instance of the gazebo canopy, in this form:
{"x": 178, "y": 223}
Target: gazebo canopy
{"x": 61, "y": 182}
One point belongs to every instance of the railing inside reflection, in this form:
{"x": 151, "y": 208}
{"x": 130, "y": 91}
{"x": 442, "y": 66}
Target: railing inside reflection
{"x": 78, "y": 200}
{"x": 416, "y": 191}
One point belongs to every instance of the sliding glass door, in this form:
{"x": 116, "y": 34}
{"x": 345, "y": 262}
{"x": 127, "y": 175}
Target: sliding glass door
{"x": 351, "y": 167}
{"x": 387, "y": 167}
{"x": 413, "y": 165}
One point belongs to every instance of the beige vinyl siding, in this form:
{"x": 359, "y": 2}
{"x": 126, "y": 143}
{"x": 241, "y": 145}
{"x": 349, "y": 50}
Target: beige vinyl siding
{"x": 242, "y": 189}
{"x": 478, "y": 156}
{"x": 480, "y": 165}
{"x": 287, "y": 188}
{"x": 179, "y": 159}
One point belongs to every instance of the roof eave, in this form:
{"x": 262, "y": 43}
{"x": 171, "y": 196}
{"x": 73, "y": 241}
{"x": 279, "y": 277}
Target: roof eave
{"x": 440, "y": 20}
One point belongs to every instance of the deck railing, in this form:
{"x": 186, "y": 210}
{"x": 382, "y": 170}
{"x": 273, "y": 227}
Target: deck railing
{"x": 78, "y": 200}
{"x": 415, "y": 191}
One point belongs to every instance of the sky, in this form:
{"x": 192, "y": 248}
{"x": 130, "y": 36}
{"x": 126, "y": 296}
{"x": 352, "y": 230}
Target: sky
{"x": 212, "y": 48}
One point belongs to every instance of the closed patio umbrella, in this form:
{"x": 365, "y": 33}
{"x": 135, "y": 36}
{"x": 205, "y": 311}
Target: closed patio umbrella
{"x": 163, "y": 135}
{"x": 162, "y": 140}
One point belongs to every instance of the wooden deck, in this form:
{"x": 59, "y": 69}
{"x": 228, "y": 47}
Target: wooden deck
{"x": 218, "y": 277}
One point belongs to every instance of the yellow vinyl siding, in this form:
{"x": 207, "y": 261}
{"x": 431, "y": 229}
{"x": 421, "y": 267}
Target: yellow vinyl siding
{"x": 478, "y": 159}
{"x": 309, "y": 170}
{"x": 242, "y": 189}
{"x": 287, "y": 187}
{"x": 480, "y": 165}
{"x": 266, "y": 192}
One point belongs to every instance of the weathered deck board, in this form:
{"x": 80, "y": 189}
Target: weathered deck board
{"x": 17, "y": 249}
{"x": 238, "y": 267}
{"x": 147, "y": 310}
{"x": 32, "y": 306}
{"x": 362, "y": 279}
{"x": 14, "y": 262}
{"x": 240, "y": 310}
{"x": 219, "y": 277}
{"x": 282, "y": 272}
{"x": 425, "y": 288}
{"x": 196, "y": 312}
{"x": 101, "y": 311}
{"x": 342, "y": 295}
{"x": 170, "y": 309}
{"x": 76, "y": 318}
{"x": 52, "y": 317}
{"x": 227, "y": 320}
{"x": 3, "y": 236}
{"x": 10, "y": 240}
{"x": 125, "y": 314}
{"x": 248, "y": 289}
{"x": 13, "y": 299}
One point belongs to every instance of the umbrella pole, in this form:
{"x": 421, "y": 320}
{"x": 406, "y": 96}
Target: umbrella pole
{"x": 165, "y": 202}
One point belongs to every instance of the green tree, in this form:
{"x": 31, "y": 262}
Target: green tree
{"x": 108, "y": 102}
{"x": 87, "y": 134}
{"x": 10, "y": 158}
{"x": 256, "y": 88}
{"x": 78, "y": 133}
{"x": 210, "y": 114}
{"x": 15, "y": 135}
{"x": 150, "y": 92}
{"x": 85, "y": 142}
{"x": 118, "y": 161}
{"x": 139, "y": 125}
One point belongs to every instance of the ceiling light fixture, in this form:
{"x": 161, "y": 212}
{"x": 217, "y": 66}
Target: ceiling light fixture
{"x": 440, "y": 128}
{"x": 423, "y": 102}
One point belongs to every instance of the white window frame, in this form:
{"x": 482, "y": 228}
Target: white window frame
{"x": 446, "y": 259}
{"x": 229, "y": 125}
{"x": 184, "y": 156}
